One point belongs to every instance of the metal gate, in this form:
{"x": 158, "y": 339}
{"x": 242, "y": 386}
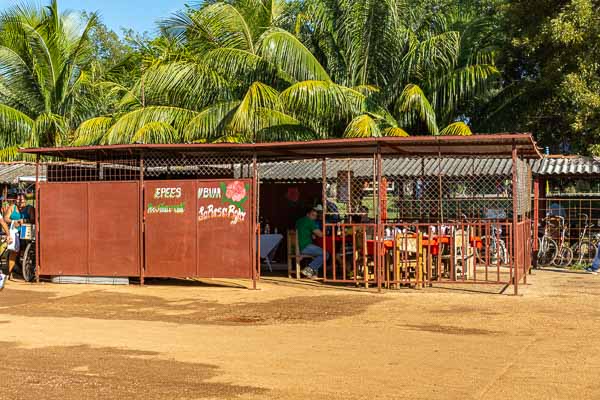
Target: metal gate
{"x": 198, "y": 228}
{"x": 89, "y": 228}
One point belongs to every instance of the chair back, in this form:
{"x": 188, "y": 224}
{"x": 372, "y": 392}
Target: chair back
{"x": 292, "y": 242}
{"x": 462, "y": 240}
{"x": 407, "y": 242}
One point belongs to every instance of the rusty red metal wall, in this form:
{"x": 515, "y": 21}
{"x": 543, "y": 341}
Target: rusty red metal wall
{"x": 89, "y": 229}
{"x": 113, "y": 229}
{"x": 198, "y": 228}
{"x": 224, "y": 226}
{"x": 170, "y": 228}
{"x": 63, "y": 229}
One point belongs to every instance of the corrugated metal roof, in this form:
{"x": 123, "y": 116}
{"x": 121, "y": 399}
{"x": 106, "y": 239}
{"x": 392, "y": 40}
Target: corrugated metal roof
{"x": 577, "y": 165}
{"x": 10, "y": 173}
{"x": 408, "y": 167}
{"x": 414, "y": 167}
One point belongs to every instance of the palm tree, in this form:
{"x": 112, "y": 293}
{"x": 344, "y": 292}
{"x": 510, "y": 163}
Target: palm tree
{"x": 45, "y": 90}
{"x": 351, "y": 68}
{"x": 414, "y": 53}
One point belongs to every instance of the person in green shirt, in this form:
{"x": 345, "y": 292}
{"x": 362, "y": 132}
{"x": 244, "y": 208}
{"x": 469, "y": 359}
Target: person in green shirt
{"x": 306, "y": 228}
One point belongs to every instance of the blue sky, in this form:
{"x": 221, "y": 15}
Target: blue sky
{"x": 137, "y": 14}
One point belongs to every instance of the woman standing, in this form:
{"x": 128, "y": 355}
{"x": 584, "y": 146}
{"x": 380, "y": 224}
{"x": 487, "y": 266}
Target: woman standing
{"x": 17, "y": 214}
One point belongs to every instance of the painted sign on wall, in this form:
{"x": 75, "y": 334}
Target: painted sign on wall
{"x": 226, "y": 201}
{"x": 163, "y": 201}
{"x": 224, "y": 228}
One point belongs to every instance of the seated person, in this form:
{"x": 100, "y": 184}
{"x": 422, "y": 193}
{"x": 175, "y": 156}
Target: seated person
{"x": 556, "y": 210}
{"x": 306, "y": 228}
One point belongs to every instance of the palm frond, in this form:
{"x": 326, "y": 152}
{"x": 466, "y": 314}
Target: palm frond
{"x": 246, "y": 119}
{"x": 284, "y": 50}
{"x": 91, "y": 131}
{"x": 398, "y": 132}
{"x": 361, "y": 127}
{"x": 240, "y": 65}
{"x": 156, "y": 132}
{"x": 15, "y": 126}
{"x": 180, "y": 84}
{"x": 219, "y": 24}
{"x": 414, "y": 107}
{"x": 49, "y": 130}
{"x": 11, "y": 153}
{"x": 127, "y": 125}
{"x": 439, "y": 52}
{"x": 211, "y": 122}
{"x": 456, "y": 129}
{"x": 319, "y": 105}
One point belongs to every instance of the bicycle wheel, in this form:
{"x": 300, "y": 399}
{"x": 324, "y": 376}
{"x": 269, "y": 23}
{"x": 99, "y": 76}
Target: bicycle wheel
{"x": 502, "y": 252}
{"x": 584, "y": 252}
{"x": 564, "y": 257}
{"x": 488, "y": 252}
{"x": 28, "y": 263}
{"x": 4, "y": 257}
{"x": 547, "y": 251}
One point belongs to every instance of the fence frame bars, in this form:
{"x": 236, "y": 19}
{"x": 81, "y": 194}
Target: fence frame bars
{"x": 344, "y": 275}
{"x": 142, "y": 219}
{"x": 37, "y": 218}
{"x": 255, "y": 245}
{"x": 515, "y": 218}
{"x": 354, "y": 253}
{"x": 378, "y": 234}
{"x": 536, "y": 219}
{"x": 323, "y": 214}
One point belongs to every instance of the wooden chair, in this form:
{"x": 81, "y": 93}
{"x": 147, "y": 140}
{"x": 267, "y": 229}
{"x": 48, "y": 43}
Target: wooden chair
{"x": 409, "y": 261}
{"x": 293, "y": 253}
{"x": 462, "y": 254}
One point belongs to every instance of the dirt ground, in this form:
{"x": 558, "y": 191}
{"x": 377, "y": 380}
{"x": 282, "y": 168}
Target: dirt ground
{"x": 300, "y": 341}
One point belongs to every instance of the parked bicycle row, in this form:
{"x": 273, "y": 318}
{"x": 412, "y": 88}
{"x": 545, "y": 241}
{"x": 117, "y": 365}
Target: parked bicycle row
{"x": 555, "y": 247}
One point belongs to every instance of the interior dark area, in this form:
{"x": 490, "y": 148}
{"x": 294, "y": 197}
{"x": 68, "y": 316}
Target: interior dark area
{"x": 281, "y": 204}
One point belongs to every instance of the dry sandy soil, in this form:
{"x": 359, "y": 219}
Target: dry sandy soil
{"x": 300, "y": 341}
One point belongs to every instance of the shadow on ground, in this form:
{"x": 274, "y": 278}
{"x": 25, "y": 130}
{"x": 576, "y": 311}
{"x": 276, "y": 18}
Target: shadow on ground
{"x": 82, "y": 372}
{"x": 101, "y": 304}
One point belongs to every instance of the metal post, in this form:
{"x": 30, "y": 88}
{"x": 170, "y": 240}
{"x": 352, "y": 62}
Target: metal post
{"x": 324, "y": 205}
{"x": 379, "y": 228}
{"x": 515, "y": 220}
{"x": 536, "y": 218}
{"x": 440, "y": 190}
{"x": 142, "y": 222}
{"x": 255, "y": 237}
{"x": 37, "y": 218}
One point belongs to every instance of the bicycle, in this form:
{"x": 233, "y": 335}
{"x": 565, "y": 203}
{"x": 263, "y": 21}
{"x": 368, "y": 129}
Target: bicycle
{"x": 25, "y": 262}
{"x": 552, "y": 253}
{"x": 585, "y": 249}
{"x": 565, "y": 254}
{"x": 493, "y": 248}
{"x": 547, "y": 247}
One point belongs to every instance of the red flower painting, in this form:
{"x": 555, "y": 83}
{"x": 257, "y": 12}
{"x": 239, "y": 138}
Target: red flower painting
{"x": 236, "y": 191}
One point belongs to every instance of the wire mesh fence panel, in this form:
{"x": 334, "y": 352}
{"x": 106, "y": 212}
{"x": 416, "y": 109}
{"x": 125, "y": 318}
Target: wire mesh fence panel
{"x": 350, "y": 218}
{"x": 524, "y": 189}
{"x": 113, "y": 169}
{"x": 156, "y": 166}
{"x": 461, "y": 208}
{"x": 206, "y": 166}
{"x": 442, "y": 189}
{"x": 569, "y": 221}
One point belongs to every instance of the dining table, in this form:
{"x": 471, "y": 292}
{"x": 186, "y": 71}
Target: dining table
{"x": 431, "y": 244}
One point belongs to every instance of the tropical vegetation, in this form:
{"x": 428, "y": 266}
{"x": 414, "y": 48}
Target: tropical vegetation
{"x": 270, "y": 70}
